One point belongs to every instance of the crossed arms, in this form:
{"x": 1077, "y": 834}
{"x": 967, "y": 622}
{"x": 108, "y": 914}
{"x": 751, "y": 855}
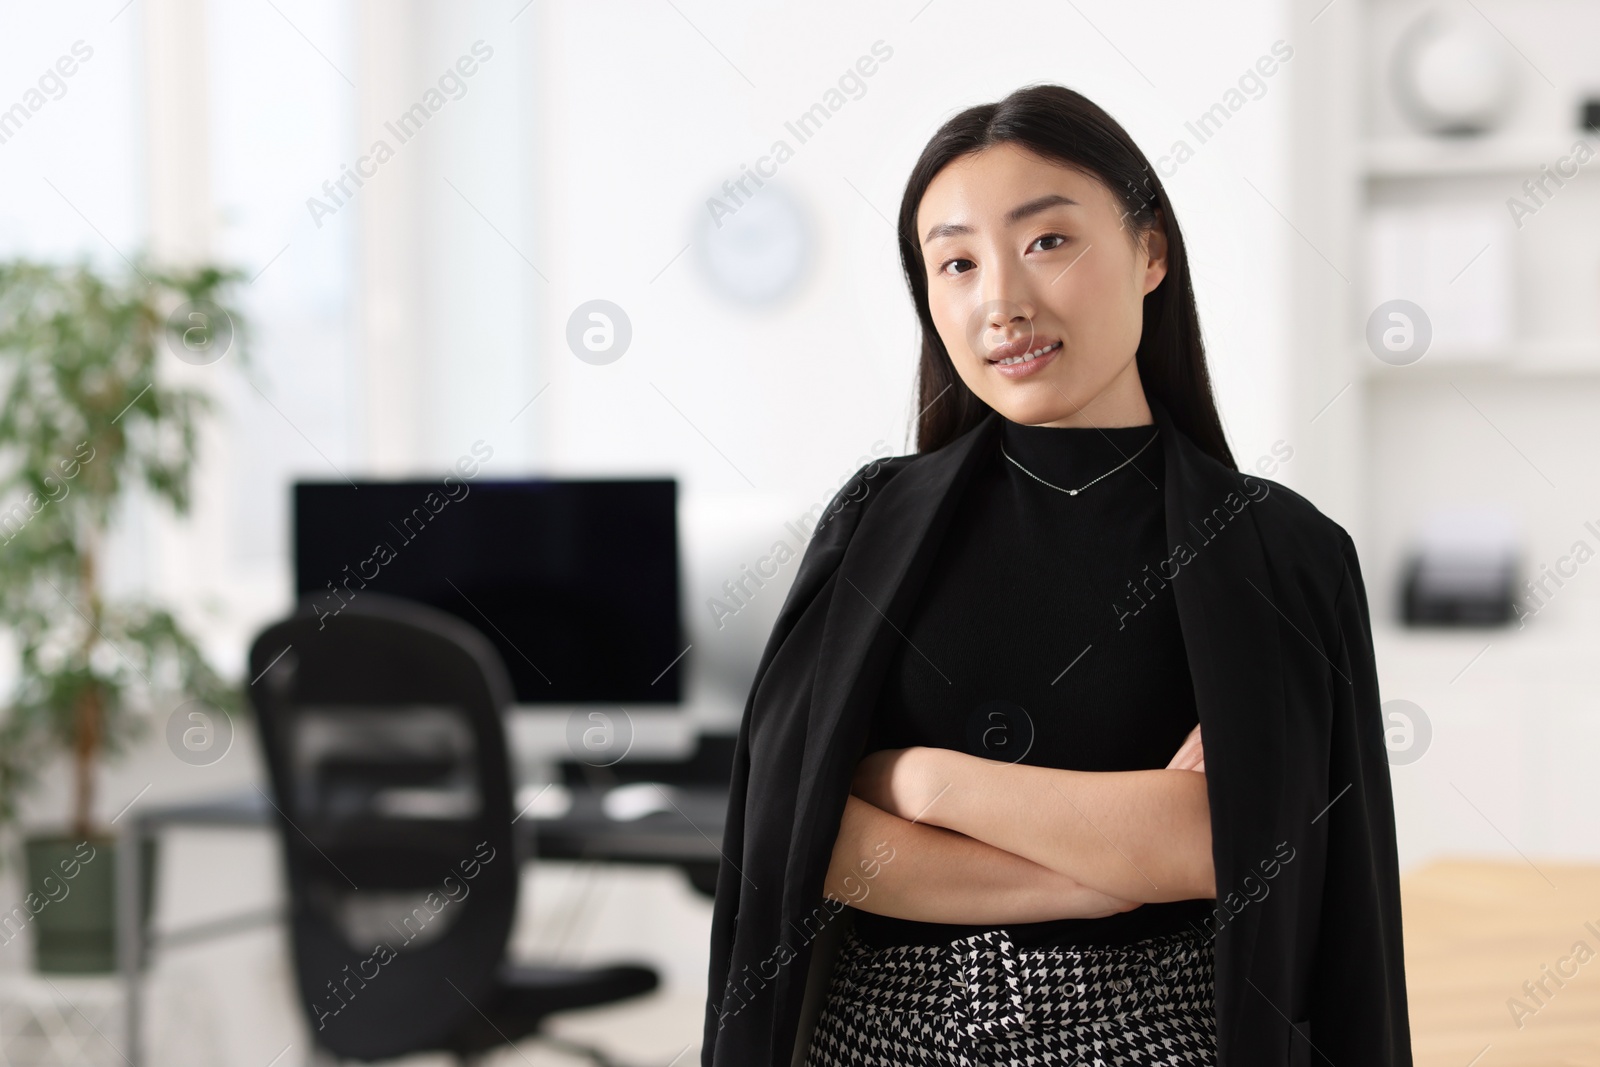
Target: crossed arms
{"x": 936, "y": 835}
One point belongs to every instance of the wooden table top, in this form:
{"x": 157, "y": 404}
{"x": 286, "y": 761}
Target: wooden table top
{"x": 1475, "y": 932}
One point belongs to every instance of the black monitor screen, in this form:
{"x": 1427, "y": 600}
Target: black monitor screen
{"x": 575, "y": 581}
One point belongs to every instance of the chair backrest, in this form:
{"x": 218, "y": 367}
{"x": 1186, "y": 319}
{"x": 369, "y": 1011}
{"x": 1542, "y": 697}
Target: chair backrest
{"x": 384, "y": 740}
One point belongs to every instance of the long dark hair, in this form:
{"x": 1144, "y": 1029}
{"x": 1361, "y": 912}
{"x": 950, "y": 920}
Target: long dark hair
{"x": 1056, "y": 123}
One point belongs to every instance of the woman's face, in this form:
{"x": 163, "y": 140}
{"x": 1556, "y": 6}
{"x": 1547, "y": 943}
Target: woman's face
{"x": 1022, "y": 254}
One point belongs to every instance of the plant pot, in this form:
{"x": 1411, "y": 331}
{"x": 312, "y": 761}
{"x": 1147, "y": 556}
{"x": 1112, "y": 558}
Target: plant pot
{"x": 71, "y": 902}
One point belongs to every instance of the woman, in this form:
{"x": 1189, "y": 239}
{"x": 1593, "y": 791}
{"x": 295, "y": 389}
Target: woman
{"x": 971, "y": 770}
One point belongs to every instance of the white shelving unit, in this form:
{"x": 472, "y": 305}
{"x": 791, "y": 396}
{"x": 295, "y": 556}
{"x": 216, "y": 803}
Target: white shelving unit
{"x": 1513, "y": 425}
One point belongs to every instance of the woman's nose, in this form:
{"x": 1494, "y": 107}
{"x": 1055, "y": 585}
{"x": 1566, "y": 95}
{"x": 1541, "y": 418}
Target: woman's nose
{"x": 1006, "y": 295}
{"x": 993, "y": 319}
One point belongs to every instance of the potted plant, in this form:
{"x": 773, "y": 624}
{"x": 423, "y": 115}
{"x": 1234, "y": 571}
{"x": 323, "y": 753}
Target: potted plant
{"x": 85, "y": 417}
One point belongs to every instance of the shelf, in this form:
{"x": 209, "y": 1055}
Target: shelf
{"x": 1531, "y": 358}
{"x": 1438, "y": 157}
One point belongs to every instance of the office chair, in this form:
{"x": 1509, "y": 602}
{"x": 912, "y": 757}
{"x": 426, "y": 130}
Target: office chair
{"x": 385, "y": 746}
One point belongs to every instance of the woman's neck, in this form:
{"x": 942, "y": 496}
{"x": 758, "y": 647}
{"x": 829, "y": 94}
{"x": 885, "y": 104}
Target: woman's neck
{"x": 1121, "y": 403}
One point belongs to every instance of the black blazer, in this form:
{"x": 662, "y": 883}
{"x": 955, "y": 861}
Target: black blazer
{"x": 1274, "y": 616}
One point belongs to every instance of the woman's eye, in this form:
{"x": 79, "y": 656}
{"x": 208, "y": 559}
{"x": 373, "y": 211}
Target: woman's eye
{"x": 944, "y": 268}
{"x": 1051, "y": 237}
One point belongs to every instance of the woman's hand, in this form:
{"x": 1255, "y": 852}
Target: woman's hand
{"x": 1191, "y": 756}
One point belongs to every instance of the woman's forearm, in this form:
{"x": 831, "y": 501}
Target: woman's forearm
{"x": 910, "y": 870}
{"x": 1136, "y": 835}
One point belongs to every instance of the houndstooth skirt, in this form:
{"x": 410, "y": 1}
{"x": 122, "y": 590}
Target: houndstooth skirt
{"x": 983, "y": 1002}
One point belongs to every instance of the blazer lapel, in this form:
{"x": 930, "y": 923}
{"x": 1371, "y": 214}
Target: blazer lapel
{"x": 1231, "y": 634}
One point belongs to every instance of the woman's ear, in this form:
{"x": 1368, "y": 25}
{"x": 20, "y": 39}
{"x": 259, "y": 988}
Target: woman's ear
{"x": 1155, "y": 253}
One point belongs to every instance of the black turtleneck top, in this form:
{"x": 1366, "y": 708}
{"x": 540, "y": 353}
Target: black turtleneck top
{"x": 1040, "y": 637}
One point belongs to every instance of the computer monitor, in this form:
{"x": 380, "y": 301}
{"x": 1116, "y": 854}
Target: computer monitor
{"x": 576, "y": 581}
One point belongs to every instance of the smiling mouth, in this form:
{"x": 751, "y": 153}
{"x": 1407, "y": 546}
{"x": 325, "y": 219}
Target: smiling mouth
{"x": 1043, "y": 350}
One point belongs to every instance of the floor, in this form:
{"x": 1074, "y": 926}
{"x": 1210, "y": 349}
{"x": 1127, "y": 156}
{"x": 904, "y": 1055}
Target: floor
{"x": 231, "y": 1002}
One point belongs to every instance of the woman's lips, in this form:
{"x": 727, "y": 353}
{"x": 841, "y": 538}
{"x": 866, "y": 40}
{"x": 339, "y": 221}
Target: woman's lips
{"x": 1028, "y": 367}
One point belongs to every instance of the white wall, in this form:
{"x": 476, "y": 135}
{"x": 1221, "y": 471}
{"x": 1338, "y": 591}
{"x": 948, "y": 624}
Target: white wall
{"x": 793, "y": 396}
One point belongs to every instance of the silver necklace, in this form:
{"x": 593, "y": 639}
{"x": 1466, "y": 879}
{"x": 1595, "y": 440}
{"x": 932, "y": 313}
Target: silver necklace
{"x": 1081, "y": 488}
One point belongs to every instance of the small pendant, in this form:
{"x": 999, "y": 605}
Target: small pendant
{"x": 1072, "y": 492}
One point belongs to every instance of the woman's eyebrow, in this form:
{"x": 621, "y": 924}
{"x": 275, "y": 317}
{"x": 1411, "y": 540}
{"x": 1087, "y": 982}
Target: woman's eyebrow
{"x": 1016, "y": 214}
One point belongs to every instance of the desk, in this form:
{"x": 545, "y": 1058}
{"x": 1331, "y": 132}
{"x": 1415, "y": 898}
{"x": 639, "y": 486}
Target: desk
{"x": 689, "y": 837}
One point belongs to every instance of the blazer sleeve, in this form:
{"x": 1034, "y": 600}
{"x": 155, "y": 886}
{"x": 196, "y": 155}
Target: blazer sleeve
{"x": 1359, "y": 1014}
{"x": 819, "y": 560}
